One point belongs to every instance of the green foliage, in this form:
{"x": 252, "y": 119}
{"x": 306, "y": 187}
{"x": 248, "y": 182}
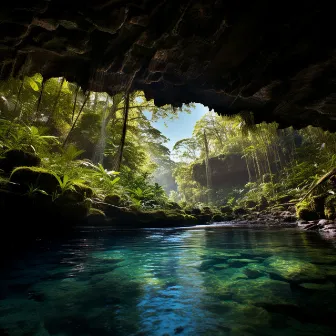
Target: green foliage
{"x": 305, "y": 211}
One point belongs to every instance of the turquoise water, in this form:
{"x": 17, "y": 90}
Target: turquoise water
{"x": 228, "y": 281}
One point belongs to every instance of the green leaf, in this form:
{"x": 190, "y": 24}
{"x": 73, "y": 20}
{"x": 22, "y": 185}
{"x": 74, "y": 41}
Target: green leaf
{"x": 33, "y": 84}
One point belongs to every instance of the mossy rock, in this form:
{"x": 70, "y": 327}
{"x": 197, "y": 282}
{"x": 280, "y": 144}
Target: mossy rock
{"x": 330, "y": 207}
{"x": 239, "y": 211}
{"x": 152, "y": 215}
{"x": 294, "y": 270}
{"x": 206, "y": 210}
{"x": 173, "y": 205}
{"x": 217, "y": 217}
{"x": 18, "y": 158}
{"x": 284, "y": 199}
{"x": 84, "y": 190}
{"x": 228, "y": 217}
{"x": 94, "y": 211}
{"x": 250, "y": 204}
{"x": 36, "y": 177}
{"x": 72, "y": 211}
{"x": 95, "y": 217}
{"x": 190, "y": 219}
{"x": 263, "y": 204}
{"x": 113, "y": 199}
{"x": 226, "y": 209}
{"x": 304, "y": 211}
{"x": 204, "y": 218}
{"x": 196, "y": 211}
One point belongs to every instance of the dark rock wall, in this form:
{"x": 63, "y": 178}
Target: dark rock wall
{"x": 263, "y": 56}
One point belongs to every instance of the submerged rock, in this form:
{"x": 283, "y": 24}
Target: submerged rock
{"x": 294, "y": 270}
{"x": 239, "y": 262}
{"x": 315, "y": 286}
{"x": 260, "y": 290}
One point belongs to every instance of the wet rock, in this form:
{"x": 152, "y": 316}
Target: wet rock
{"x": 221, "y": 266}
{"x": 217, "y": 218}
{"x": 294, "y": 270}
{"x": 252, "y": 273}
{"x": 261, "y": 290}
{"x": 329, "y": 227}
{"x": 287, "y": 216}
{"x": 178, "y": 330}
{"x": 196, "y": 211}
{"x": 239, "y": 262}
{"x": 330, "y": 207}
{"x": 316, "y": 286}
{"x": 38, "y": 297}
{"x": 323, "y": 222}
{"x": 113, "y": 199}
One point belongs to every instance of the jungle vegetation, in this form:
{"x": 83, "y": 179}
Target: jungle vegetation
{"x": 89, "y": 138}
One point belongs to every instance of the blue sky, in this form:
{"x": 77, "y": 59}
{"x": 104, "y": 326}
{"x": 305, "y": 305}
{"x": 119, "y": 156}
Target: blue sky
{"x": 182, "y": 127}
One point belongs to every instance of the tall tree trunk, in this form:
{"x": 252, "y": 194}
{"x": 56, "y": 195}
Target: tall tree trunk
{"x": 98, "y": 155}
{"x": 75, "y": 103}
{"x": 248, "y": 168}
{"x": 18, "y": 99}
{"x": 56, "y": 102}
{"x": 38, "y": 104}
{"x": 123, "y": 135}
{"x": 74, "y": 123}
{"x": 207, "y": 165}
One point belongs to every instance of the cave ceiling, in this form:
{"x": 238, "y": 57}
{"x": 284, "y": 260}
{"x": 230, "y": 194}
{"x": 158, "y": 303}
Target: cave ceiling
{"x": 268, "y": 57}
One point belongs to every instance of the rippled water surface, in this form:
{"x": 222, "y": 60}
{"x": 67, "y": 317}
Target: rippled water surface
{"x": 227, "y": 281}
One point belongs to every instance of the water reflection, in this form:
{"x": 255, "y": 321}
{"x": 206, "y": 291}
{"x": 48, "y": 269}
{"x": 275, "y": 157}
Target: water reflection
{"x": 230, "y": 281}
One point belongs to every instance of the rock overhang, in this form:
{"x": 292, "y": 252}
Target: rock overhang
{"x": 260, "y": 56}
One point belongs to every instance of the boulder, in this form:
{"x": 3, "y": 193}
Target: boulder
{"x": 304, "y": 211}
{"x": 18, "y": 158}
{"x": 217, "y": 218}
{"x": 113, "y": 199}
{"x": 35, "y": 177}
{"x": 330, "y": 207}
{"x": 293, "y": 270}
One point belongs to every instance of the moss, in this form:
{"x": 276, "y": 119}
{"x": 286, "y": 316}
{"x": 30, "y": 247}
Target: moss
{"x": 305, "y": 211}
{"x": 250, "y": 204}
{"x": 35, "y": 176}
{"x": 94, "y": 211}
{"x": 17, "y": 158}
{"x": 294, "y": 270}
{"x": 83, "y": 189}
{"x": 207, "y": 210}
{"x": 226, "y": 209}
{"x": 238, "y": 211}
{"x": 173, "y": 205}
{"x": 217, "y": 217}
{"x": 71, "y": 210}
{"x": 263, "y": 204}
{"x": 284, "y": 199}
{"x": 190, "y": 218}
{"x": 330, "y": 207}
{"x": 204, "y": 218}
{"x": 95, "y": 217}
{"x": 113, "y": 199}
{"x": 196, "y": 211}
